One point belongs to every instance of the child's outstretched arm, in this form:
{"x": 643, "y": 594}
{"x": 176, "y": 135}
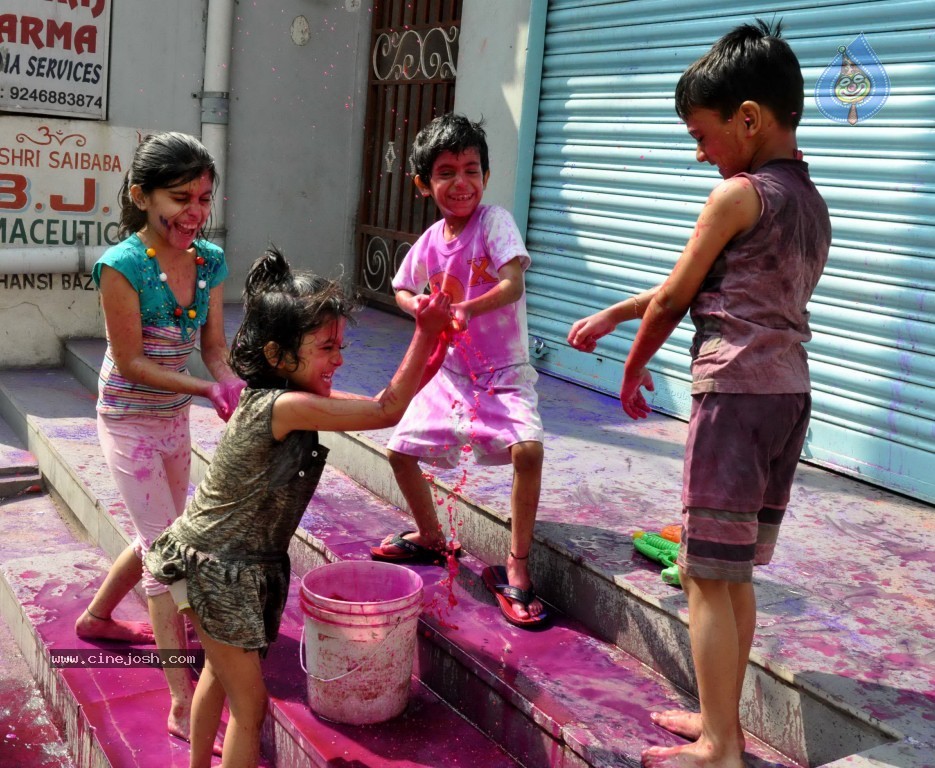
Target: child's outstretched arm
{"x": 732, "y": 208}
{"x": 585, "y": 332}
{"x": 296, "y": 410}
{"x": 225, "y": 392}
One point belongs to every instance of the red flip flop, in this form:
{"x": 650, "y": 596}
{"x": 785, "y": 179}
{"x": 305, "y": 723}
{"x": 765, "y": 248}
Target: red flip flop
{"x": 412, "y": 552}
{"x": 495, "y": 579}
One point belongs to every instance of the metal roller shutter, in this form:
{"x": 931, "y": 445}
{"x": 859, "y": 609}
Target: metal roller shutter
{"x": 616, "y": 190}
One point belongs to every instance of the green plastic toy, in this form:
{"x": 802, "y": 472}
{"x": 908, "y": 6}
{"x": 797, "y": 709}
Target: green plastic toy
{"x": 660, "y": 550}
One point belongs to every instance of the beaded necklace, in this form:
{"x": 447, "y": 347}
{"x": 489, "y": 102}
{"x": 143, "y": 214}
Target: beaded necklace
{"x": 187, "y": 318}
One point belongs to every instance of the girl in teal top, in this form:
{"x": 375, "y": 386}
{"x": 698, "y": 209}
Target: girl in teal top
{"x": 158, "y": 287}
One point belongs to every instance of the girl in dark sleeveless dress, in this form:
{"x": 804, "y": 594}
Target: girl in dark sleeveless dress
{"x": 225, "y": 560}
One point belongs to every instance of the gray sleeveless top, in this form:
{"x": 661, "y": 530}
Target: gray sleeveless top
{"x": 231, "y": 544}
{"x": 749, "y": 314}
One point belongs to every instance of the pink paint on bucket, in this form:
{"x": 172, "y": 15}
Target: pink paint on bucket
{"x": 359, "y": 639}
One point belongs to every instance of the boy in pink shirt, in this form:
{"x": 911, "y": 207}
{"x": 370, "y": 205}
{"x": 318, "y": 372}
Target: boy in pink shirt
{"x": 484, "y": 394}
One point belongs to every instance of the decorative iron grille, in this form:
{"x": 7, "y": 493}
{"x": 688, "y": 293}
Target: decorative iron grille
{"x": 414, "y": 53}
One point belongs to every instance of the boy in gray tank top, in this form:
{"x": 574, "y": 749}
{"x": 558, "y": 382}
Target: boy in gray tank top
{"x": 758, "y": 249}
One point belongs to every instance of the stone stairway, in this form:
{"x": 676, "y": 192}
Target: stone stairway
{"x": 116, "y": 715}
{"x": 28, "y": 736}
{"x": 576, "y": 695}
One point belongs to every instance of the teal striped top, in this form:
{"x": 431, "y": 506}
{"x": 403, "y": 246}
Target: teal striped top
{"x": 167, "y": 339}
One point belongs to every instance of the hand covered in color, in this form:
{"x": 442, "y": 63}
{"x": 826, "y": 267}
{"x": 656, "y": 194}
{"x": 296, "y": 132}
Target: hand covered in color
{"x": 585, "y": 332}
{"x": 225, "y": 395}
{"x": 418, "y": 302}
{"x": 433, "y": 315}
{"x": 459, "y": 318}
{"x": 632, "y": 400}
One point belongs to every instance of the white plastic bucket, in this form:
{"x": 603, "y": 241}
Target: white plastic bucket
{"x": 360, "y": 639}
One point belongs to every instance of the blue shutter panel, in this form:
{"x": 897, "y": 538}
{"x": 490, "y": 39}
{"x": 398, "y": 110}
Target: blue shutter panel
{"x": 616, "y": 191}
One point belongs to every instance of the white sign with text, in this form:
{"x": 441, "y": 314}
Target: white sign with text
{"x": 54, "y": 57}
{"x": 59, "y": 181}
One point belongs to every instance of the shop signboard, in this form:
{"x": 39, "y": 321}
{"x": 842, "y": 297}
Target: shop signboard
{"x": 59, "y": 181}
{"x": 54, "y": 57}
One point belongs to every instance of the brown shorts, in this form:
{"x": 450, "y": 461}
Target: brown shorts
{"x": 740, "y": 460}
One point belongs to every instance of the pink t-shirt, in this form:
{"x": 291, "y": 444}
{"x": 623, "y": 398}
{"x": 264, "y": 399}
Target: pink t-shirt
{"x": 466, "y": 268}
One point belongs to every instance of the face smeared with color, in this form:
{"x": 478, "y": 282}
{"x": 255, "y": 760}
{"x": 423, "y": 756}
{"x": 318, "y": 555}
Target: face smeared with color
{"x": 457, "y": 184}
{"x": 719, "y": 141}
{"x": 177, "y": 213}
{"x": 319, "y": 357}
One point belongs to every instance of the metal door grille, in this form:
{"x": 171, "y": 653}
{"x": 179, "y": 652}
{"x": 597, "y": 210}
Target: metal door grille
{"x": 413, "y": 65}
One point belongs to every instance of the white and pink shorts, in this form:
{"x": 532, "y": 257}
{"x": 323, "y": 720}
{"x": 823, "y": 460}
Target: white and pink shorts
{"x": 489, "y": 412}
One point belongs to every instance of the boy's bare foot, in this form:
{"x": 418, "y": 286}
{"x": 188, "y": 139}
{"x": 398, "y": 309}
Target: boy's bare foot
{"x": 698, "y": 754}
{"x": 90, "y": 627}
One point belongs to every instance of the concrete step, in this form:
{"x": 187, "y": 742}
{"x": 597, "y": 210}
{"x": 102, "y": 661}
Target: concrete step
{"x": 19, "y": 483}
{"x": 823, "y": 683}
{"x": 110, "y": 716}
{"x": 561, "y": 697}
{"x": 29, "y": 736}
{"x": 115, "y": 715}
{"x": 19, "y": 471}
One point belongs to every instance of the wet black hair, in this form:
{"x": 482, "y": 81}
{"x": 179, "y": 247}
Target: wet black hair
{"x": 161, "y": 160}
{"x": 749, "y": 63}
{"x": 281, "y": 306}
{"x": 447, "y": 133}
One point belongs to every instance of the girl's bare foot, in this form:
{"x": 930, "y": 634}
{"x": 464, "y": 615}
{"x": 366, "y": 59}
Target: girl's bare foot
{"x": 698, "y": 754}
{"x": 686, "y": 724}
{"x": 679, "y": 722}
{"x": 215, "y": 750}
{"x": 90, "y": 627}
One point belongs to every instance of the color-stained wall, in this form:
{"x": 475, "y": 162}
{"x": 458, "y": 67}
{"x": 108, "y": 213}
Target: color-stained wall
{"x": 492, "y": 82}
{"x": 295, "y": 135}
{"x": 296, "y": 130}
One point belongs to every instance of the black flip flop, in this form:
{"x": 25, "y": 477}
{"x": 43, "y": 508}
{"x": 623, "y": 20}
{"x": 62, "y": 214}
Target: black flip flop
{"x": 495, "y": 579}
{"x": 412, "y": 552}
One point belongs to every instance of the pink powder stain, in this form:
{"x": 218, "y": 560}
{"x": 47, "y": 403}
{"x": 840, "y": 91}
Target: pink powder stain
{"x": 829, "y": 649}
{"x": 142, "y": 474}
{"x": 903, "y": 660}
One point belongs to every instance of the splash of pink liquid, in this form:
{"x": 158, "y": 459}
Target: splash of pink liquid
{"x": 442, "y": 608}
